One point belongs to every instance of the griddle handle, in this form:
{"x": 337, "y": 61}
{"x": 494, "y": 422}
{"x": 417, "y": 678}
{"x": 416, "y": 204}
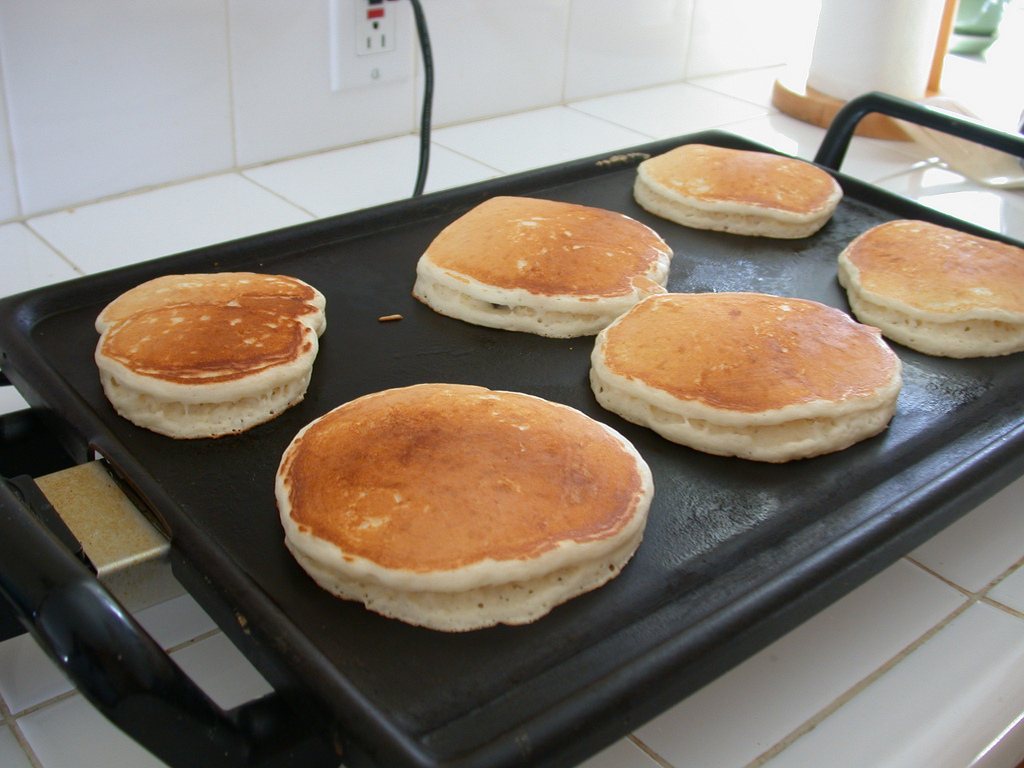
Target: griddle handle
{"x": 120, "y": 669}
{"x": 840, "y": 131}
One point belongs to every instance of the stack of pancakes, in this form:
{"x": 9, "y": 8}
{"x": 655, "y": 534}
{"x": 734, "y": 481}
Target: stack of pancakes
{"x": 937, "y": 290}
{"x": 540, "y": 266}
{"x": 747, "y": 374}
{"x": 738, "y": 191}
{"x": 192, "y": 356}
{"x": 456, "y": 507}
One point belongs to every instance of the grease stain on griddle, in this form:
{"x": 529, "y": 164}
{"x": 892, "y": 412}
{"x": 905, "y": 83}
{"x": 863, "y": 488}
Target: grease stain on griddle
{"x": 938, "y": 390}
{"x": 741, "y": 275}
{"x": 704, "y": 516}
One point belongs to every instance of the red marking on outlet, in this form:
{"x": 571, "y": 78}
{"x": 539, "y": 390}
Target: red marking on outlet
{"x": 374, "y": 13}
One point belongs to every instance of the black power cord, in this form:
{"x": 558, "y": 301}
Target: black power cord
{"x": 428, "y": 96}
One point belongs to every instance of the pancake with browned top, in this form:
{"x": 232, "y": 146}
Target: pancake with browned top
{"x": 540, "y": 266}
{"x": 276, "y": 293}
{"x": 456, "y": 507}
{"x": 747, "y": 374}
{"x": 191, "y": 356}
{"x": 937, "y": 290}
{"x": 735, "y": 190}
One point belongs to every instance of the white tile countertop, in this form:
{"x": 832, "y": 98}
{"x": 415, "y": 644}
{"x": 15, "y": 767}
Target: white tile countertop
{"x": 921, "y": 666}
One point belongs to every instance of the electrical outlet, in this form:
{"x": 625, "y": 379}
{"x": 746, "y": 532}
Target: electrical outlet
{"x": 375, "y": 29}
{"x": 371, "y": 42}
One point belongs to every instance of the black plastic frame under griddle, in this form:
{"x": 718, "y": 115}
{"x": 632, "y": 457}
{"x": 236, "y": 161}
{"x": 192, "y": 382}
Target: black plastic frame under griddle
{"x": 735, "y": 554}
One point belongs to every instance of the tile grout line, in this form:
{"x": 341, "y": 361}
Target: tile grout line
{"x": 228, "y": 54}
{"x": 771, "y": 108}
{"x": 842, "y": 699}
{"x": 197, "y": 639}
{"x": 12, "y": 717}
{"x": 11, "y": 722}
{"x": 8, "y": 144}
{"x": 650, "y": 752}
{"x": 918, "y": 165}
{"x": 1004, "y": 608}
{"x": 971, "y": 599}
{"x": 998, "y": 579}
{"x": 565, "y": 43}
{"x": 981, "y": 595}
{"x": 277, "y": 194}
{"x": 949, "y": 583}
{"x": 39, "y": 705}
{"x": 579, "y": 111}
{"x": 460, "y": 153}
{"x": 64, "y": 257}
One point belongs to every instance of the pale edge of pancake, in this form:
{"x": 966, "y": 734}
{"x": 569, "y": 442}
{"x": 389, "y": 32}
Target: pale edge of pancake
{"x": 482, "y": 594}
{"x": 516, "y": 309}
{"x": 728, "y": 216}
{"x": 205, "y": 410}
{"x": 797, "y": 431}
{"x": 981, "y": 332}
{"x": 517, "y": 602}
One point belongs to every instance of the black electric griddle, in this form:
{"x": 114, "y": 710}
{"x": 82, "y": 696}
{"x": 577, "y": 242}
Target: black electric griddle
{"x": 735, "y": 553}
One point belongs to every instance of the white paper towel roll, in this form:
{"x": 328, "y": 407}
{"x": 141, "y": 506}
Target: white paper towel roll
{"x": 875, "y": 45}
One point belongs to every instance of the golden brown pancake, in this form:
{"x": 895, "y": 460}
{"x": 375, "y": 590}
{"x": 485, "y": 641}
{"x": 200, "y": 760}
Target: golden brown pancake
{"x": 747, "y": 374}
{"x": 937, "y": 290}
{"x": 277, "y": 293}
{"x": 540, "y": 266}
{"x": 218, "y": 364}
{"x": 456, "y": 507}
{"x": 739, "y": 191}
{"x": 204, "y": 344}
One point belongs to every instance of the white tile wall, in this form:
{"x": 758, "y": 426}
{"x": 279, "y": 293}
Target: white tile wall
{"x": 283, "y": 102}
{"x": 496, "y": 57}
{"x": 9, "y": 207}
{"x": 649, "y": 47}
{"x": 731, "y": 35}
{"x": 110, "y": 96}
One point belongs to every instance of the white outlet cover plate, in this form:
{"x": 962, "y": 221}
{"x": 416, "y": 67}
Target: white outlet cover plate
{"x": 346, "y": 23}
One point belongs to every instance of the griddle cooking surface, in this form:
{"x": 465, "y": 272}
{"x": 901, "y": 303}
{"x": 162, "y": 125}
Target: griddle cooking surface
{"x": 735, "y": 552}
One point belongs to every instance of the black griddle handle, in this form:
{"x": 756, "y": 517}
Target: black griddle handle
{"x": 120, "y": 669}
{"x": 840, "y": 130}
